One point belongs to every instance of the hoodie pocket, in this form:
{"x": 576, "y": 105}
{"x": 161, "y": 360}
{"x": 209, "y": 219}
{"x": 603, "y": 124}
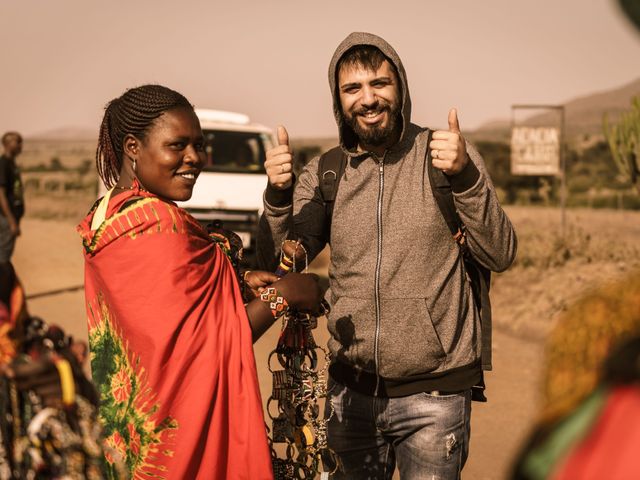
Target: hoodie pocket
{"x": 408, "y": 343}
{"x": 352, "y": 325}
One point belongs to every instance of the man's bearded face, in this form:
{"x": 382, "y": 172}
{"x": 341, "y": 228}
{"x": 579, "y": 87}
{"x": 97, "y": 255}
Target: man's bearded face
{"x": 370, "y": 102}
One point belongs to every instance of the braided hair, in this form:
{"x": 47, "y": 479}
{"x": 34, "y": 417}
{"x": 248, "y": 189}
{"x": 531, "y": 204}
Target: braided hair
{"x": 132, "y": 113}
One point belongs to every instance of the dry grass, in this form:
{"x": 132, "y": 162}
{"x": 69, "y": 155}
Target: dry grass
{"x": 590, "y": 236}
{"x": 551, "y": 271}
{"x": 72, "y": 206}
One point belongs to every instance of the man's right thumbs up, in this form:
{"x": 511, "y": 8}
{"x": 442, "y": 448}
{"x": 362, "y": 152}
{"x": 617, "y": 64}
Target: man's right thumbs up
{"x": 279, "y": 162}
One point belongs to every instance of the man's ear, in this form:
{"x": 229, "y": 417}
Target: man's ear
{"x": 131, "y": 146}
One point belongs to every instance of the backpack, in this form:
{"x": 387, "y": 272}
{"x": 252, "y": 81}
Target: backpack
{"x": 330, "y": 170}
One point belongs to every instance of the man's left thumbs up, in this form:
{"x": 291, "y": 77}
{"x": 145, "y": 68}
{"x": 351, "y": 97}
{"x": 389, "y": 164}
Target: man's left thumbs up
{"x": 448, "y": 148}
{"x": 454, "y": 126}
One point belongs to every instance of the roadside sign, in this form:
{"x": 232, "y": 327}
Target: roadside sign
{"x": 535, "y": 150}
{"x": 538, "y": 150}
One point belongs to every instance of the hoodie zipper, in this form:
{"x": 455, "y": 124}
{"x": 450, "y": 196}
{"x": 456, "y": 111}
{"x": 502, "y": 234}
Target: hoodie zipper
{"x": 376, "y": 344}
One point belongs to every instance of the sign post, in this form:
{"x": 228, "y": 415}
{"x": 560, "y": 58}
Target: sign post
{"x": 539, "y": 150}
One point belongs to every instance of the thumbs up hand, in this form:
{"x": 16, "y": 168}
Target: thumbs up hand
{"x": 279, "y": 162}
{"x": 448, "y": 148}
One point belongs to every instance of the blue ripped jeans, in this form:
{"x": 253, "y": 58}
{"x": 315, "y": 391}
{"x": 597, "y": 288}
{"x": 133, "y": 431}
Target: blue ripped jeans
{"x": 426, "y": 435}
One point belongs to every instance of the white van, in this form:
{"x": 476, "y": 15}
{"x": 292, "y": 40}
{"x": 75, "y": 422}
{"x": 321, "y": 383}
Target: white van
{"x": 232, "y": 182}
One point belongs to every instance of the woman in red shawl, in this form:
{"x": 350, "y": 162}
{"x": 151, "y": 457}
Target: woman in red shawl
{"x": 170, "y": 338}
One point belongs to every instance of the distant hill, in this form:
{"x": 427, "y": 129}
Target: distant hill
{"x": 494, "y": 131}
{"x": 583, "y": 121}
{"x": 66, "y": 134}
{"x": 583, "y": 116}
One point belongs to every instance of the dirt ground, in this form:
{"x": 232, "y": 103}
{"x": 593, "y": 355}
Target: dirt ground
{"x": 526, "y": 300}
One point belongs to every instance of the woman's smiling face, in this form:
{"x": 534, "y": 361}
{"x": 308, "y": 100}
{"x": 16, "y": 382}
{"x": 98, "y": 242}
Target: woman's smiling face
{"x": 171, "y": 156}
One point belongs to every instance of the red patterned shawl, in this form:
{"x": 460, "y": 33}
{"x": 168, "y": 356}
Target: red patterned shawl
{"x": 171, "y": 348}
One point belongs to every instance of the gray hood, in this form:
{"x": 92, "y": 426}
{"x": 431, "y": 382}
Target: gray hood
{"x": 348, "y": 139}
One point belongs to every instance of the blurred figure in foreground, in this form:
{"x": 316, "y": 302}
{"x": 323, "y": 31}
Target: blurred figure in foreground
{"x": 589, "y": 426}
{"x": 48, "y": 408}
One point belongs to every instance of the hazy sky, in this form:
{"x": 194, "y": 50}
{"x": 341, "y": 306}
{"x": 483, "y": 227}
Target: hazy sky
{"x": 64, "y": 59}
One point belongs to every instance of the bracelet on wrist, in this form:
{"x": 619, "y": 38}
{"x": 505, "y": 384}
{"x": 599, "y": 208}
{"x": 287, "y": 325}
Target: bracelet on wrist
{"x": 275, "y": 301}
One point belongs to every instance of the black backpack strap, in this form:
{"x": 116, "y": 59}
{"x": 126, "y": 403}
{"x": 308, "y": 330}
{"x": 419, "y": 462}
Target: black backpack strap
{"x": 330, "y": 170}
{"x": 479, "y": 275}
{"x": 443, "y": 195}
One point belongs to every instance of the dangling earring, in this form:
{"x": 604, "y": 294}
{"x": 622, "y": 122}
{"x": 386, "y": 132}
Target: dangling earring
{"x": 133, "y": 161}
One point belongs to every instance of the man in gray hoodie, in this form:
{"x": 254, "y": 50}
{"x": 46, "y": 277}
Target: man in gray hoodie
{"x": 406, "y": 336}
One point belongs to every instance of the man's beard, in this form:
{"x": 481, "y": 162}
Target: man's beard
{"x": 378, "y": 135}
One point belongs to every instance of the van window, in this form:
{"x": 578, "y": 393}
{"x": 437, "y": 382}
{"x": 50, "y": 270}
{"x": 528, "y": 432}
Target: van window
{"x": 234, "y": 152}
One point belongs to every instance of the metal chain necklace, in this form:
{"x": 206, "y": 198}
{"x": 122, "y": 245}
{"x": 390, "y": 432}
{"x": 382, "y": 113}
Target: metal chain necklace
{"x": 298, "y": 388}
